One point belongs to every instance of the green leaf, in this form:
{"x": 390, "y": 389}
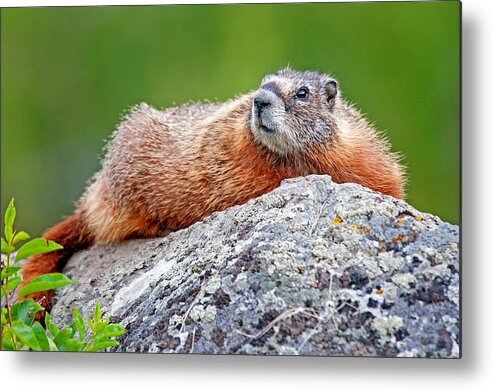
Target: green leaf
{"x": 73, "y": 330}
{"x": 99, "y": 326}
{"x": 52, "y": 345}
{"x": 20, "y": 236}
{"x": 14, "y": 282}
{"x": 90, "y": 323}
{"x": 7, "y": 343}
{"x": 79, "y": 323}
{"x": 112, "y": 330}
{"x": 6, "y": 248}
{"x": 44, "y": 283}
{"x": 41, "y": 336}
{"x": 35, "y": 247}
{"x": 25, "y": 334}
{"x": 62, "y": 336}
{"x": 9, "y": 271}
{"x": 4, "y": 316}
{"x": 73, "y": 345}
{"x": 24, "y": 310}
{"x": 50, "y": 325}
{"x": 98, "y": 346}
{"x": 97, "y": 312}
{"x": 9, "y": 220}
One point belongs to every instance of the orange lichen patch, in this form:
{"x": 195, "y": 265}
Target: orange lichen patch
{"x": 361, "y": 229}
{"x": 379, "y": 291}
{"x": 356, "y": 252}
{"x": 337, "y": 221}
{"x": 367, "y": 252}
{"x": 395, "y": 239}
{"x": 419, "y": 219}
{"x": 400, "y": 220}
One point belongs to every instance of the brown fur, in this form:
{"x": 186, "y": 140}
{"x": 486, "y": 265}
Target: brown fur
{"x": 165, "y": 170}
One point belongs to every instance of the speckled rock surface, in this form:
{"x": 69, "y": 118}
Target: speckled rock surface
{"x": 313, "y": 268}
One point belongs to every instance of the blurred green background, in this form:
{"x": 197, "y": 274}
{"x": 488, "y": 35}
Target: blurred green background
{"x": 68, "y": 75}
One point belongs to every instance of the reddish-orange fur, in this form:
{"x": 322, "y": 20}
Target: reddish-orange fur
{"x": 73, "y": 236}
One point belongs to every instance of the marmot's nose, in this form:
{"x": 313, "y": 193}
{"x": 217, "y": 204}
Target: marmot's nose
{"x": 261, "y": 102}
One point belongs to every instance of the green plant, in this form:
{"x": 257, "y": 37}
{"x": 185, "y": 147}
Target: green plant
{"x": 20, "y": 329}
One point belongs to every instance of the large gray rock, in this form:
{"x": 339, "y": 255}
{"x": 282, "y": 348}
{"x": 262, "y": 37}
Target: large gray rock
{"x": 312, "y": 268}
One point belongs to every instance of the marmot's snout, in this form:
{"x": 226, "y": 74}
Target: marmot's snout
{"x": 261, "y": 101}
{"x": 265, "y": 106}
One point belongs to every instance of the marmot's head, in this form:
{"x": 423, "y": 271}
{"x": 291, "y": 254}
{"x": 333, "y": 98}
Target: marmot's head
{"x": 293, "y": 110}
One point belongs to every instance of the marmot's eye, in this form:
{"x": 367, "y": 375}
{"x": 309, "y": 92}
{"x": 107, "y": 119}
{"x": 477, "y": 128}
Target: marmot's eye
{"x": 302, "y": 93}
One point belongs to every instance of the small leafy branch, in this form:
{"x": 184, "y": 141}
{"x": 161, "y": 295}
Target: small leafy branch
{"x": 20, "y": 329}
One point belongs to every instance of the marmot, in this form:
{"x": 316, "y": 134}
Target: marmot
{"x": 165, "y": 170}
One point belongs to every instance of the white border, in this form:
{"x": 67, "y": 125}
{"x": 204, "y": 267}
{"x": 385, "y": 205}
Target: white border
{"x": 474, "y": 371}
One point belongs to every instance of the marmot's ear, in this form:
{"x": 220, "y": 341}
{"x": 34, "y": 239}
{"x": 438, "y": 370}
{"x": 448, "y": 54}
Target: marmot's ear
{"x": 331, "y": 90}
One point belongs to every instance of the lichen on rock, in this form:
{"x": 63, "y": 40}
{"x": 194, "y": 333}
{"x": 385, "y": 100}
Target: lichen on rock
{"x": 312, "y": 268}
